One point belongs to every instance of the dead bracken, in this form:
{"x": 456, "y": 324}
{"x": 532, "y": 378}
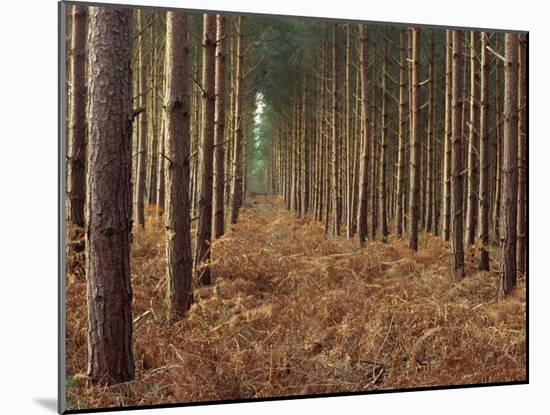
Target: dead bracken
{"x": 291, "y": 311}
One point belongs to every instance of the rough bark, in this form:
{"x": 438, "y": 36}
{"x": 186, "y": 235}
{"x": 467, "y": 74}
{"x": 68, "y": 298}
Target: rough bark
{"x": 522, "y": 153}
{"x": 176, "y": 167}
{"x": 76, "y": 143}
{"x": 508, "y": 214}
{"x": 108, "y": 293}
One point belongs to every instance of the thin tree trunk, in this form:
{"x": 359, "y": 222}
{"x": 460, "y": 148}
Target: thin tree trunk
{"x": 335, "y": 153}
{"x": 204, "y": 228}
{"x": 457, "y": 241}
{"x": 448, "y": 146}
{"x": 76, "y": 143}
{"x": 429, "y": 211}
{"x": 402, "y": 130}
{"x": 219, "y": 121}
{"x": 176, "y": 161}
{"x": 236, "y": 162}
{"x": 364, "y": 162}
{"x": 141, "y": 173}
{"x": 508, "y": 214}
{"x": 108, "y": 291}
{"x": 415, "y": 149}
{"x": 473, "y": 140}
{"x": 383, "y": 149}
{"x": 484, "y": 159}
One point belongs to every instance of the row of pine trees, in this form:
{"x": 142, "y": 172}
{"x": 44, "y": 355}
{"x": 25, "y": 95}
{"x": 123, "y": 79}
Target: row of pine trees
{"x": 364, "y": 129}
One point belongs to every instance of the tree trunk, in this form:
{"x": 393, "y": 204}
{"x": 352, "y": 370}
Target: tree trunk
{"x": 219, "y": 122}
{"x": 204, "y": 228}
{"x": 484, "y": 159}
{"x": 76, "y": 143}
{"x": 383, "y": 149}
{"x": 364, "y": 163}
{"x": 235, "y": 183}
{"x": 176, "y": 167}
{"x": 141, "y": 173}
{"x": 335, "y": 150}
{"x": 414, "y": 198}
{"x": 429, "y": 211}
{"x": 473, "y": 140}
{"x": 522, "y": 152}
{"x": 457, "y": 242}
{"x": 448, "y": 146}
{"x": 402, "y": 130}
{"x": 108, "y": 293}
{"x": 508, "y": 214}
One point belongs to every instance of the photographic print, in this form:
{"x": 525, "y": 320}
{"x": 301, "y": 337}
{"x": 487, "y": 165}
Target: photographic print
{"x": 261, "y": 207}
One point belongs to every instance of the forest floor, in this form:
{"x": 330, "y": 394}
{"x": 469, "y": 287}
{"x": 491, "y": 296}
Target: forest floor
{"x": 292, "y": 311}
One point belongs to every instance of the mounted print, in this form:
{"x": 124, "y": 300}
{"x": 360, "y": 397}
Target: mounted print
{"x": 259, "y": 207}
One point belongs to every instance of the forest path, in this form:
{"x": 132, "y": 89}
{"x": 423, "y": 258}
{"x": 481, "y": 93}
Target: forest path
{"x": 292, "y": 311}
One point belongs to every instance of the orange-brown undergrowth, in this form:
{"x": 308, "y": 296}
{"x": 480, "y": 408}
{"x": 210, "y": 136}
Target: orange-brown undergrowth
{"x": 292, "y": 311}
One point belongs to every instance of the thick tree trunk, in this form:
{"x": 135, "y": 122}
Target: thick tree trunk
{"x": 484, "y": 159}
{"x": 108, "y": 293}
{"x": 204, "y": 228}
{"x": 508, "y": 214}
{"x": 522, "y": 152}
{"x": 176, "y": 167}
{"x": 141, "y": 173}
{"x": 402, "y": 138}
{"x": 448, "y": 146}
{"x": 457, "y": 242}
{"x": 364, "y": 162}
{"x": 219, "y": 121}
{"x": 414, "y": 198}
{"x": 473, "y": 140}
{"x": 76, "y": 143}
